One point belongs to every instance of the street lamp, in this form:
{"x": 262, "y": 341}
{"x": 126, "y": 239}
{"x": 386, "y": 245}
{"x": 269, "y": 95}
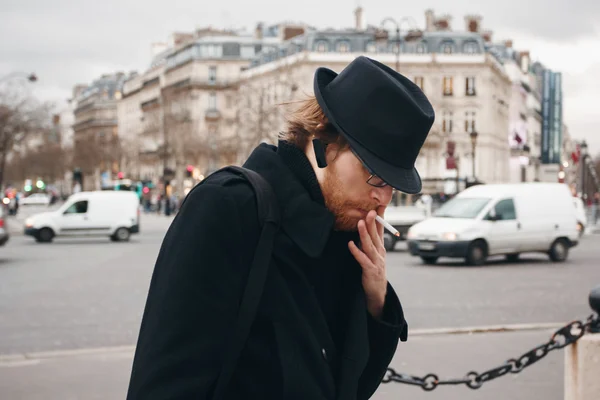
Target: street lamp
{"x": 473, "y": 136}
{"x": 413, "y": 34}
{"x": 583, "y": 147}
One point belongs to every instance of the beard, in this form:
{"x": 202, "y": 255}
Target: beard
{"x": 339, "y": 205}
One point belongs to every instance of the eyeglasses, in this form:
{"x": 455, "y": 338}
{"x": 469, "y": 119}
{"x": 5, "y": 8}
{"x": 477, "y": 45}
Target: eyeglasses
{"x": 373, "y": 180}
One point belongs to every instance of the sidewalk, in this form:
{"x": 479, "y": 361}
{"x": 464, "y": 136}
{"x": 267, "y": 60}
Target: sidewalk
{"x": 104, "y": 373}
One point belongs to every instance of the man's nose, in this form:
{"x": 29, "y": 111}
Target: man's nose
{"x": 383, "y": 195}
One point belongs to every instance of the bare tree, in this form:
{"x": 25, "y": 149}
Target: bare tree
{"x": 20, "y": 116}
{"x": 260, "y": 108}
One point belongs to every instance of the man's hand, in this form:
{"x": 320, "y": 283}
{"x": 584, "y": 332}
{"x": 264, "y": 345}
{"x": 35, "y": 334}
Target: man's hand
{"x": 371, "y": 257}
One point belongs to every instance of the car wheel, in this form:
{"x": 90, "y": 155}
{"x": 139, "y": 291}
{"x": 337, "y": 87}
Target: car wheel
{"x": 477, "y": 253}
{"x": 512, "y": 257}
{"x": 45, "y": 235}
{"x": 122, "y": 235}
{"x": 429, "y": 260}
{"x": 389, "y": 242}
{"x": 559, "y": 251}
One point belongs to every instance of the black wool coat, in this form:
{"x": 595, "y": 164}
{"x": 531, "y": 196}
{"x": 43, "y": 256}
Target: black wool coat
{"x": 312, "y": 338}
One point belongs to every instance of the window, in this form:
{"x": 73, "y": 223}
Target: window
{"x": 421, "y": 48}
{"x": 505, "y": 210}
{"x": 447, "y": 121}
{"x": 470, "y": 121}
{"x": 322, "y": 46}
{"x": 212, "y": 74}
{"x": 448, "y": 86}
{"x": 470, "y": 86}
{"x": 212, "y": 101}
{"x": 371, "y": 47}
{"x": 447, "y": 48}
{"x": 419, "y": 82}
{"x": 470, "y": 48}
{"x": 78, "y": 208}
{"x": 343, "y": 47}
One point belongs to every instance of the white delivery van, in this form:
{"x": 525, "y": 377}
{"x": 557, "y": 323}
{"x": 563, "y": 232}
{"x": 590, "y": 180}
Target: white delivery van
{"x": 103, "y": 213}
{"x": 506, "y": 219}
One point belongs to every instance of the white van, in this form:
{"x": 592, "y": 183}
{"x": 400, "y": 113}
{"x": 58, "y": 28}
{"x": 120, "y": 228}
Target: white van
{"x": 103, "y": 213}
{"x": 507, "y": 219}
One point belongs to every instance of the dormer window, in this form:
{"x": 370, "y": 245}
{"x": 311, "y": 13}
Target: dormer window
{"x": 470, "y": 48}
{"x": 447, "y": 48}
{"x": 322, "y": 46}
{"x": 343, "y": 47}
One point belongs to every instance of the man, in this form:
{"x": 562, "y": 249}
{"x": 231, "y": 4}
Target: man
{"x": 328, "y": 322}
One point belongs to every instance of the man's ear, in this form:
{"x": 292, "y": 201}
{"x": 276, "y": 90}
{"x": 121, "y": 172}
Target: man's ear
{"x": 320, "y": 148}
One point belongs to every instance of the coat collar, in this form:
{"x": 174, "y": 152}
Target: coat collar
{"x": 305, "y": 218}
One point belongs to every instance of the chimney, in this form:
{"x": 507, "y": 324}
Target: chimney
{"x": 258, "y": 32}
{"x": 443, "y": 23}
{"x": 472, "y": 23}
{"x": 525, "y": 61}
{"x": 429, "y": 20}
{"x": 358, "y": 19}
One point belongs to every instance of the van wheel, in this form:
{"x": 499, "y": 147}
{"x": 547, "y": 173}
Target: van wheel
{"x": 429, "y": 260}
{"x": 476, "y": 253}
{"x": 559, "y": 251}
{"x": 121, "y": 235}
{"x": 45, "y": 235}
{"x": 512, "y": 257}
{"x": 389, "y": 241}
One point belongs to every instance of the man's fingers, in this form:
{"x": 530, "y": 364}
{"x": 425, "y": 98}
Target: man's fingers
{"x": 360, "y": 256}
{"x": 367, "y": 243}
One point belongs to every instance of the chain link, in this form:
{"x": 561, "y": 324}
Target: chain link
{"x": 562, "y": 338}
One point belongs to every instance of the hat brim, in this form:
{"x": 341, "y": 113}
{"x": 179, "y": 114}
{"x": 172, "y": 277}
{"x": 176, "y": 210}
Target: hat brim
{"x": 405, "y": 180}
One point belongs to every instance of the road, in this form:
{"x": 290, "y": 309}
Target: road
{"x": 89, "y": 293}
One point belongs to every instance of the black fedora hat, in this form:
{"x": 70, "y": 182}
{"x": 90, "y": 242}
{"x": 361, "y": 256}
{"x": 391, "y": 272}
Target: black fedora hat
{"x": 384, "y": 116}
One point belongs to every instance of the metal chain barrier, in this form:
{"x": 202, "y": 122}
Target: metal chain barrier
{"x": 562, "y": 338}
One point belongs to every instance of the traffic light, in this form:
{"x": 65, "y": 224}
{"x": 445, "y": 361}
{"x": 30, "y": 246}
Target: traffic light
{"x": 40, "y": 184}
{"x": 120, "y": 175}
{"x": 189, "y": 170}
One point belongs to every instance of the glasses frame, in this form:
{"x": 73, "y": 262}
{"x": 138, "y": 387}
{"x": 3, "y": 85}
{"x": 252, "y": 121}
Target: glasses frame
{"x": 373, "y": 174}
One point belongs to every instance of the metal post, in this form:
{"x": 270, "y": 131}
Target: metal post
{"x": 473, "y": 150}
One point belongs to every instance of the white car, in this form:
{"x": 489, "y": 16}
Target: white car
{"x": 114, "y": 214}
{"x": 507, "y": 219}
{"x": 38, "y": 199}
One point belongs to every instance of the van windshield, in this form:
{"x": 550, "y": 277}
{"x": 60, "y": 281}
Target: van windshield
{"x": 462, "y": 207}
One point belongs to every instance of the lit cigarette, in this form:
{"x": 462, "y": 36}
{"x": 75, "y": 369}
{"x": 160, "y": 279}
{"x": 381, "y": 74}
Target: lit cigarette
{"x": 387, "y": 226}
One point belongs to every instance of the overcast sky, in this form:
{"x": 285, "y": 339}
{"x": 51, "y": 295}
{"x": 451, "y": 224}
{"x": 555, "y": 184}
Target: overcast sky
{"x": 70, "y": 41}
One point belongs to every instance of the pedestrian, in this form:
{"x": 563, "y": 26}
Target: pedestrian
{"x": 328, "y": 322}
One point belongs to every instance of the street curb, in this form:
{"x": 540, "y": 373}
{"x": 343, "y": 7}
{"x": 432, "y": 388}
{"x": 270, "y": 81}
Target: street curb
{"x": 485, "y": 329}
{"x": 41, "y": 355}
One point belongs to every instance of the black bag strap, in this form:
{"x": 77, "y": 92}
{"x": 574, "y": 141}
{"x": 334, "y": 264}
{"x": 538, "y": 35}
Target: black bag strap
{"x": 268, "y": 214}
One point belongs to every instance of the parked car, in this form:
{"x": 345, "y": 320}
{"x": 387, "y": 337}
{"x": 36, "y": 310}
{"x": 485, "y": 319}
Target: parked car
{"x": 506, "y": 219}
{"x": 41, "y": 199}
{"x": 103, "y": 213}
{"x": 401, "y": 218}
{"x": 4, "y": 236}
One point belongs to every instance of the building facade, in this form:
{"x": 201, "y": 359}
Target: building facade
{"x": 467, "y": 86}
{"x": 96, "y": 145}
{"x": 181, "y": 114}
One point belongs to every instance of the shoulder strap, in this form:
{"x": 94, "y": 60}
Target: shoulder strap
{"x": 268, "y": 214}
